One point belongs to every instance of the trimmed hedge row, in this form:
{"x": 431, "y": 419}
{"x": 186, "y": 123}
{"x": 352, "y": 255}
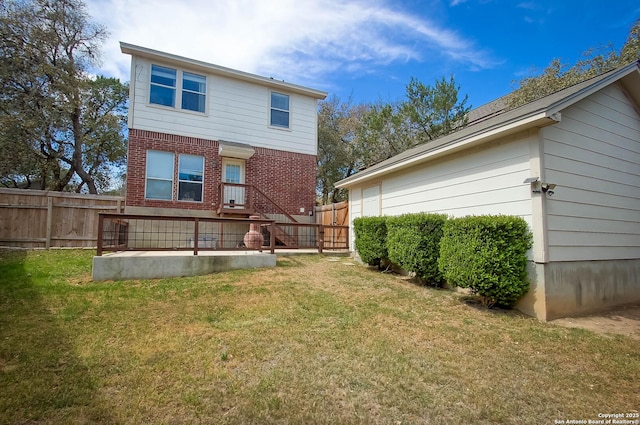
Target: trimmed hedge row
{"x": 371, "y": 239}
{"x": 487, "y": 254}
{"x": 413, "y": 242}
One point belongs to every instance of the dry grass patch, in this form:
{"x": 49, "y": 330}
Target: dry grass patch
{"x": 310, "y": 341}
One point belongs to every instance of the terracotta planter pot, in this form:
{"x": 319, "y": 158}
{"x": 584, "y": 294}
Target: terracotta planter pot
{"x": 253, "y": 239}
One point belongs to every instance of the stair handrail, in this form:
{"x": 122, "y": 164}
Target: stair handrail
{"x": 253, "y": 191}
{"x": 278, "y": 207}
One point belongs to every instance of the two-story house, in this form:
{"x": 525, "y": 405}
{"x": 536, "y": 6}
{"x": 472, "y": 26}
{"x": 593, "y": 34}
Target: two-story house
{"x": 209, "y": 140}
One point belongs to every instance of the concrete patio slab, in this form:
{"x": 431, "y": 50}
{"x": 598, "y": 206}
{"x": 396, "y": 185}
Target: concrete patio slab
{"x": 126, "y": 265}
{"x": 162, "y": 264}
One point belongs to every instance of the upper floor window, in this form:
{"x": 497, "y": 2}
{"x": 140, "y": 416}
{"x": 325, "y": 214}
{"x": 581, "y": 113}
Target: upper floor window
{"x": 171, "y": 87}
{"x": 279, "y": 110}
{"x": 163, "y": 86}
{"x": 193, "y": 91}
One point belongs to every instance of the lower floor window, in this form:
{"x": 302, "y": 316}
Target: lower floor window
{"x": 190, "y": 172}
{"x": 159, "y": 175}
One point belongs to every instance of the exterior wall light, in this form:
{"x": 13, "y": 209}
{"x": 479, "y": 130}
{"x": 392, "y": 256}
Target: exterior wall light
{"x": 548, "y": 188}
{"x": 535, "y": 184}
{"x": 538, "y": 187}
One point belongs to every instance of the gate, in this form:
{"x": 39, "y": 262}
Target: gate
{"x": 334, "y": 215}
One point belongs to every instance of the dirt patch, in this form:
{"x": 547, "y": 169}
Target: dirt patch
{"x": 622, "y": 321}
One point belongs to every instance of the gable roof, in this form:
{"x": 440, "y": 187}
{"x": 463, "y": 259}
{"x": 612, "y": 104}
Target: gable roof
{"x": 492, "y": 120}
{"x": 209, "y": 68}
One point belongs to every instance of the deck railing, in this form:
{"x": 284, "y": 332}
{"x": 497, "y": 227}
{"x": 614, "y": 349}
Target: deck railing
{"x": 127, "y": 232}
{"x": 248, "y": 199}
{"x": 245, "y": 198}
{"x": 235, "y": 197}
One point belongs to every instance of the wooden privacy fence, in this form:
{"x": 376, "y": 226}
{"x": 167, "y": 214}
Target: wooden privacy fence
{"x": 44, "y": 219}
{"x": 334, "y": 215}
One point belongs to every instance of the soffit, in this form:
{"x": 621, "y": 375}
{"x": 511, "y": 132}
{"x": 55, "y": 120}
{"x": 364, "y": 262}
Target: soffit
{"x": 210, "y": 68}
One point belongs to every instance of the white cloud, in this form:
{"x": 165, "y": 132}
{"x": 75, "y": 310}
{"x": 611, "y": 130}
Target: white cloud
{"x": 528, "y": 5}
{"x": 299, "y": 41}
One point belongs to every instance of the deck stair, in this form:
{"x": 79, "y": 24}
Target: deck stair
{"x": 242, "y": 201}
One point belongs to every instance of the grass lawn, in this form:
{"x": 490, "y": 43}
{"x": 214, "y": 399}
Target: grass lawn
{"x": 310, "y": 341}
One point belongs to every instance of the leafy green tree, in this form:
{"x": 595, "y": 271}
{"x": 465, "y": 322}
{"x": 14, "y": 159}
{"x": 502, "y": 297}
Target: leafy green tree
{"x": 102, "y": 125}
{"x": 60, "y": 127}
{"x": 630, "y": 52}
{"x": 382, "y": 133}
{"x": 434, "y": 111}
{"x": 429, "y": 112}
{"x": 559, "y": 75}
{"x": 337, "y": 123}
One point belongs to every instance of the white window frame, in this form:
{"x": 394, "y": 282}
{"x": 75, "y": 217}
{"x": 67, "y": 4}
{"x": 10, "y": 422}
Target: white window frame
{"x": 147, "y": 178}
{"x": 163, "y": 86}
{"x": 179, "y": 90}
{"x": 201, "y": 183}
{"x": 273, "y": 108}
{"x": 198, "y": 93}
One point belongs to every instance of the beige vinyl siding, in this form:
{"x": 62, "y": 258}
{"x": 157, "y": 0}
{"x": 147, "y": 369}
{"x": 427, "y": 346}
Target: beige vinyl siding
{"x": 593, "y": 155}
{"x": 236, "y": 111}
{"x": 355, "y": 200}
{"x": 371, "y": 201}
{"x": 488, "y": 180}
{"x": 355, "y": 211}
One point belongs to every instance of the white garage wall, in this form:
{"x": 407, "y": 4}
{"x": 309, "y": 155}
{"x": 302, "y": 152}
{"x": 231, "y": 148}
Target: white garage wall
{"x": 593, "y": 155}
{"x": 486, "y": 181}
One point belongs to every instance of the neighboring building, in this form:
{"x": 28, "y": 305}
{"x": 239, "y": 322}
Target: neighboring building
{"x": 586, "y": 140}
{"x": 215, "y": 141}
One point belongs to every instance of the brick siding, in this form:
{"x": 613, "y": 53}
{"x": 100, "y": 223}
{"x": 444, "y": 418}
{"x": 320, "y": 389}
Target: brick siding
{"x": 288, "y": 178}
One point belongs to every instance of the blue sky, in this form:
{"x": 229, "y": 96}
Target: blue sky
{"x": 368, "y": 50}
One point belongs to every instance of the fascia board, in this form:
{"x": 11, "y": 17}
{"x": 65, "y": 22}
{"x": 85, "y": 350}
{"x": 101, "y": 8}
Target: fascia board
{"x": 210, "y": 68}
{"x": 589, "y": 90}
{"x": 539, "y": 119}
{"x": 547, "y": 115}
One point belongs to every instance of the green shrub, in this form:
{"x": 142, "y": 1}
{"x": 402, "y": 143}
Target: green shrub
{"x": 413, "y": 242}
{"x": 371, "y": 239}
{"x": 487, "y": 254}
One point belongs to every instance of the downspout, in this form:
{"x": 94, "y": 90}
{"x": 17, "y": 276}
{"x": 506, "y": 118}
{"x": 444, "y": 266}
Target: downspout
{"x": 534, "y": 302}
{"x": 538, "y": 199}
{"x": 135, "y": 74}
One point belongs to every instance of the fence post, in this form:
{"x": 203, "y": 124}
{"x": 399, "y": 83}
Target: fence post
{"x": 333, "y": 214}
{"x": 47, "y": 243}
{"x": 321, "y": 238}
{"x": 100, "y": 230}
{"x": 196, "y": 236}
{"x": 272, "y": 237}
{"x": 333, "y": 223}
